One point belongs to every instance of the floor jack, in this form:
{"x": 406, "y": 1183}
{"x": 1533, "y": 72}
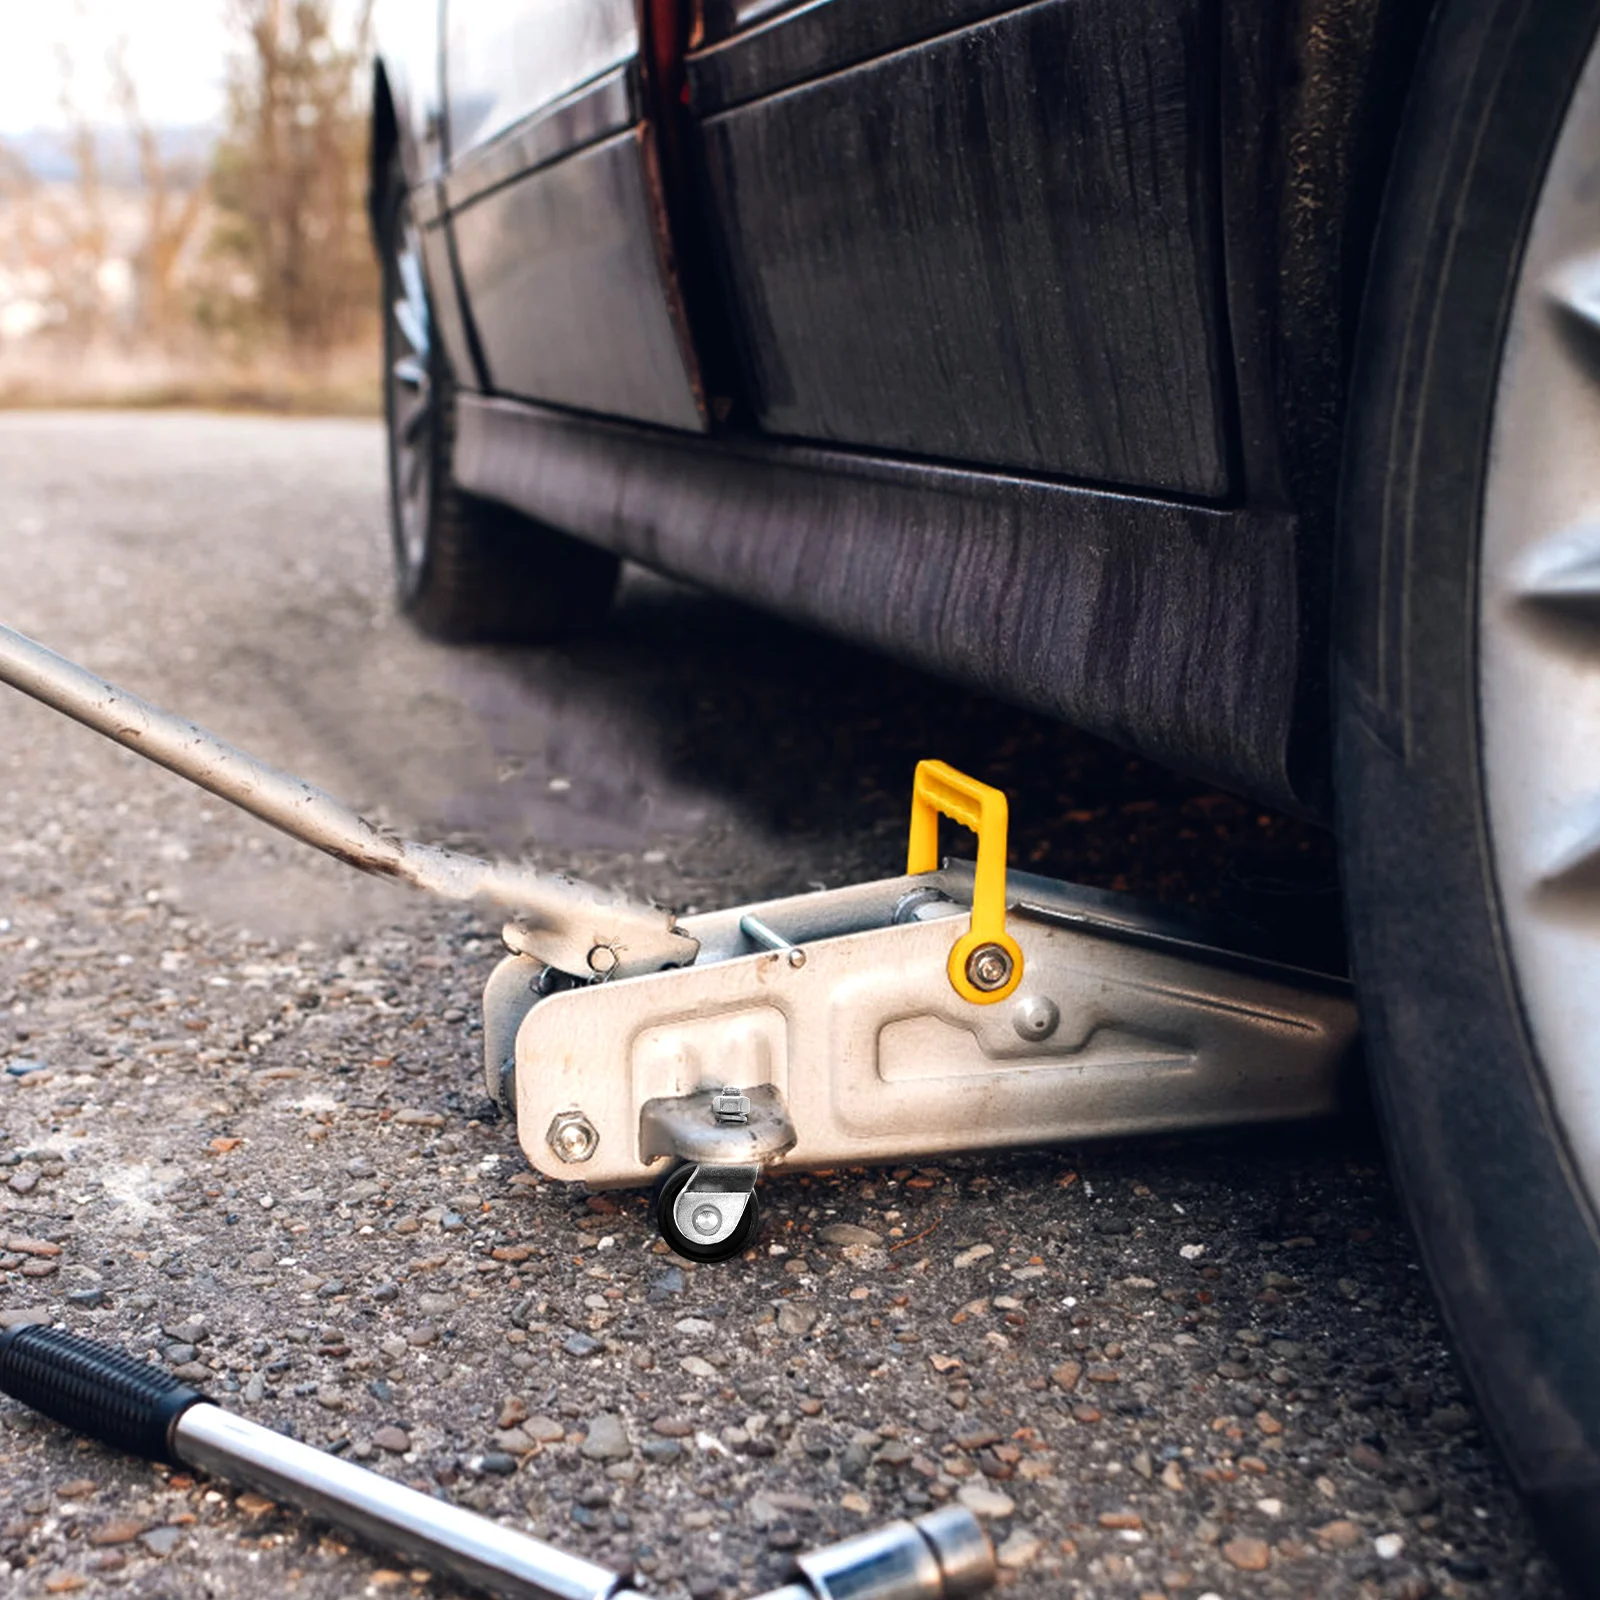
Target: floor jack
{"x": 958, "y": 1007}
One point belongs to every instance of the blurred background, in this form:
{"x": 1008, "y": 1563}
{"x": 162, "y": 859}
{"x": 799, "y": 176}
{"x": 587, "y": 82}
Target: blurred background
{"x": 182, "y": 207}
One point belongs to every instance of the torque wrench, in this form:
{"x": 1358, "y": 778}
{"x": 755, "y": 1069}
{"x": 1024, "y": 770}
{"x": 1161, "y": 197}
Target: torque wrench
{"x": 106, "y": 1393}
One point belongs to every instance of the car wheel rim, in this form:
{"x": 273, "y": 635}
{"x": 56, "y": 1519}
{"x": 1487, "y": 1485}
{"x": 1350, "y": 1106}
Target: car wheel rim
{"x": 1539, "y": 632}
{"x": 410, "y": 399}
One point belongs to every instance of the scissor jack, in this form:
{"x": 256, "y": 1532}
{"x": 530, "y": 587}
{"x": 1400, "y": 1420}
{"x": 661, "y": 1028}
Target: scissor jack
{"x": 959, "y": 1007}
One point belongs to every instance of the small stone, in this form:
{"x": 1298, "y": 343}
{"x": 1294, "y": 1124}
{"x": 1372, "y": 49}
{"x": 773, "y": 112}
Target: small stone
{"x": 661, "y": 1450}
{"x": 1172, "y": 1478}
{"x": 64, "y": 1583}
{"x": 982, "y": 1501}
{"x": 395, "y": 1440}
{"x": 673, "y": 1427}
{"x": 544, "y": 1430}
{"x": 795, "y": 1320}
{"x": 497, "y": 1463}
{"x": 1067, "y": 1374}
{"x": 77, "y": 1489}
{"x": 24, "y": 1181}
{"x": 21, "y": 1244}
{"x": 845, "y": 1234}
{"x": 580, "y": 1344}
{"x": 1417, "y": 1499}
{"x": 607, "y": 1439}
{"x": 698, "y": 1367}
{"x": 161, "y": 1541}
{"x": 977, "y": 1253}
{"x": 1340, "y": 1534}
{"x": 423, "y": 1334}
{"x": 1122, "y": 1520}
{"x": 1248, "y": 1554}
{"x": 1019, "y": 1551}
{"x": 122, "y": 1531}
{"x": 23, "y": 1316}
{"x": 1388, "y": 1546}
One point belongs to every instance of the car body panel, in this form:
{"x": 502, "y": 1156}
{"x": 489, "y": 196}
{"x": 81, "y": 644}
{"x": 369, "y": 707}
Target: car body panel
{"x": 1101, "y": 259}
{"x": 506, "y": 60}
{"x": 1026, "y": 271}
{"x": 566, "y": 290}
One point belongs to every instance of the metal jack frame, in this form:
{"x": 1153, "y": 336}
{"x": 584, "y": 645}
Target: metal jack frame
{"x": 958, "y": 1007}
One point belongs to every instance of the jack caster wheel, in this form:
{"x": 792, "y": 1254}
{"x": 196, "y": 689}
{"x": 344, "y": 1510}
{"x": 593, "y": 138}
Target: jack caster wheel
{"x": 708, "y": 1213}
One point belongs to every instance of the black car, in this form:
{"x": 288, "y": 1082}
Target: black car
{"x": 1219, "y": 376}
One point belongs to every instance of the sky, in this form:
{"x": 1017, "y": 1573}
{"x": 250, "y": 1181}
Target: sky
{"x": 176, "y": 51}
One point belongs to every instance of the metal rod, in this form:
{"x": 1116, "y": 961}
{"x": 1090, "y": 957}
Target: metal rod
{"x": 759, "y": 933}
{"x": 577, "y": 928}
{"x": 387, "y": 1515}
{"x": 134, "y": 1405}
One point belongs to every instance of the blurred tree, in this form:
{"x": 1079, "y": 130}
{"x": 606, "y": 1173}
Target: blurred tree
{"x": 288, "y": 180}
{"x": 174, "y": 198}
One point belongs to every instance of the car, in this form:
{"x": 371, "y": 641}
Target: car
{"x": 1221, "y": 377}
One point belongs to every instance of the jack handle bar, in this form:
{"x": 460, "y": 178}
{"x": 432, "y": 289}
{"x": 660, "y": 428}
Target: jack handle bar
{"x": 573, "y": 926}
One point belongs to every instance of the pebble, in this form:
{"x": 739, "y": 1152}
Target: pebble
{"x": 1247, "y": 1553}
{"x": 982, "y": 1501}
{"x": 607, "y": 1439}
{"x": 1066, "y": 1375}
{"x": 795, "y": 1319}
{"x": 121, "y": 1531}
{"x": 845, "y": 1234}
{"x": 1020, "y": 1550}
{"x": 971, "y": 1257}
{"x": 1340, "y": 1534}
{"x": 161, "y": 1541}
{"x": 580, "y": 1344}
{"x": 395, "y": 1440}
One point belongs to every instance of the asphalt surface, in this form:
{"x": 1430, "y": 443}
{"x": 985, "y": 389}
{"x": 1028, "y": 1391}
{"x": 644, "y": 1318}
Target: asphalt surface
{"x": 241, "y": 1126}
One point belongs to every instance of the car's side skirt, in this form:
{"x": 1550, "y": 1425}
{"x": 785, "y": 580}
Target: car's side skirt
{"x": 1170, "y": 628}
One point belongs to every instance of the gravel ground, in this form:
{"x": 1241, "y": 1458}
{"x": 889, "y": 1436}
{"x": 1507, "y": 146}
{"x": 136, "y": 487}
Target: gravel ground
{"x": 241, "y": 1128}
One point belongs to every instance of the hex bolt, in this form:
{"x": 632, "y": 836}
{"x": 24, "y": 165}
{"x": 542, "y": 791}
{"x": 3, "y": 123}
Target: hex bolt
{"x": 1036, "y": 1017}
{"x": 572, "y": 1136}
{"x": 989, "y": 968}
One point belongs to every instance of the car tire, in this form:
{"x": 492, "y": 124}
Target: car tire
{"x": 1469, "y": 1087}
{"x": 466, "y": 569}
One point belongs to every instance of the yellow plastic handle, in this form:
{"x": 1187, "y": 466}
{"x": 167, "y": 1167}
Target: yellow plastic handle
{"x": 939, "y": 790}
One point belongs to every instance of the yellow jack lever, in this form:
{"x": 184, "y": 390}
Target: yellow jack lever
{"x": 986, "y": 962}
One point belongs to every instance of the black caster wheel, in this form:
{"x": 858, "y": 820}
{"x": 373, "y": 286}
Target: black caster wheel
{"x": 695, "y": 1234}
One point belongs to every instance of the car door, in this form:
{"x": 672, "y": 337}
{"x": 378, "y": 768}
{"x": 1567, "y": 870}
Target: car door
{"x": 553, "y": 196}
